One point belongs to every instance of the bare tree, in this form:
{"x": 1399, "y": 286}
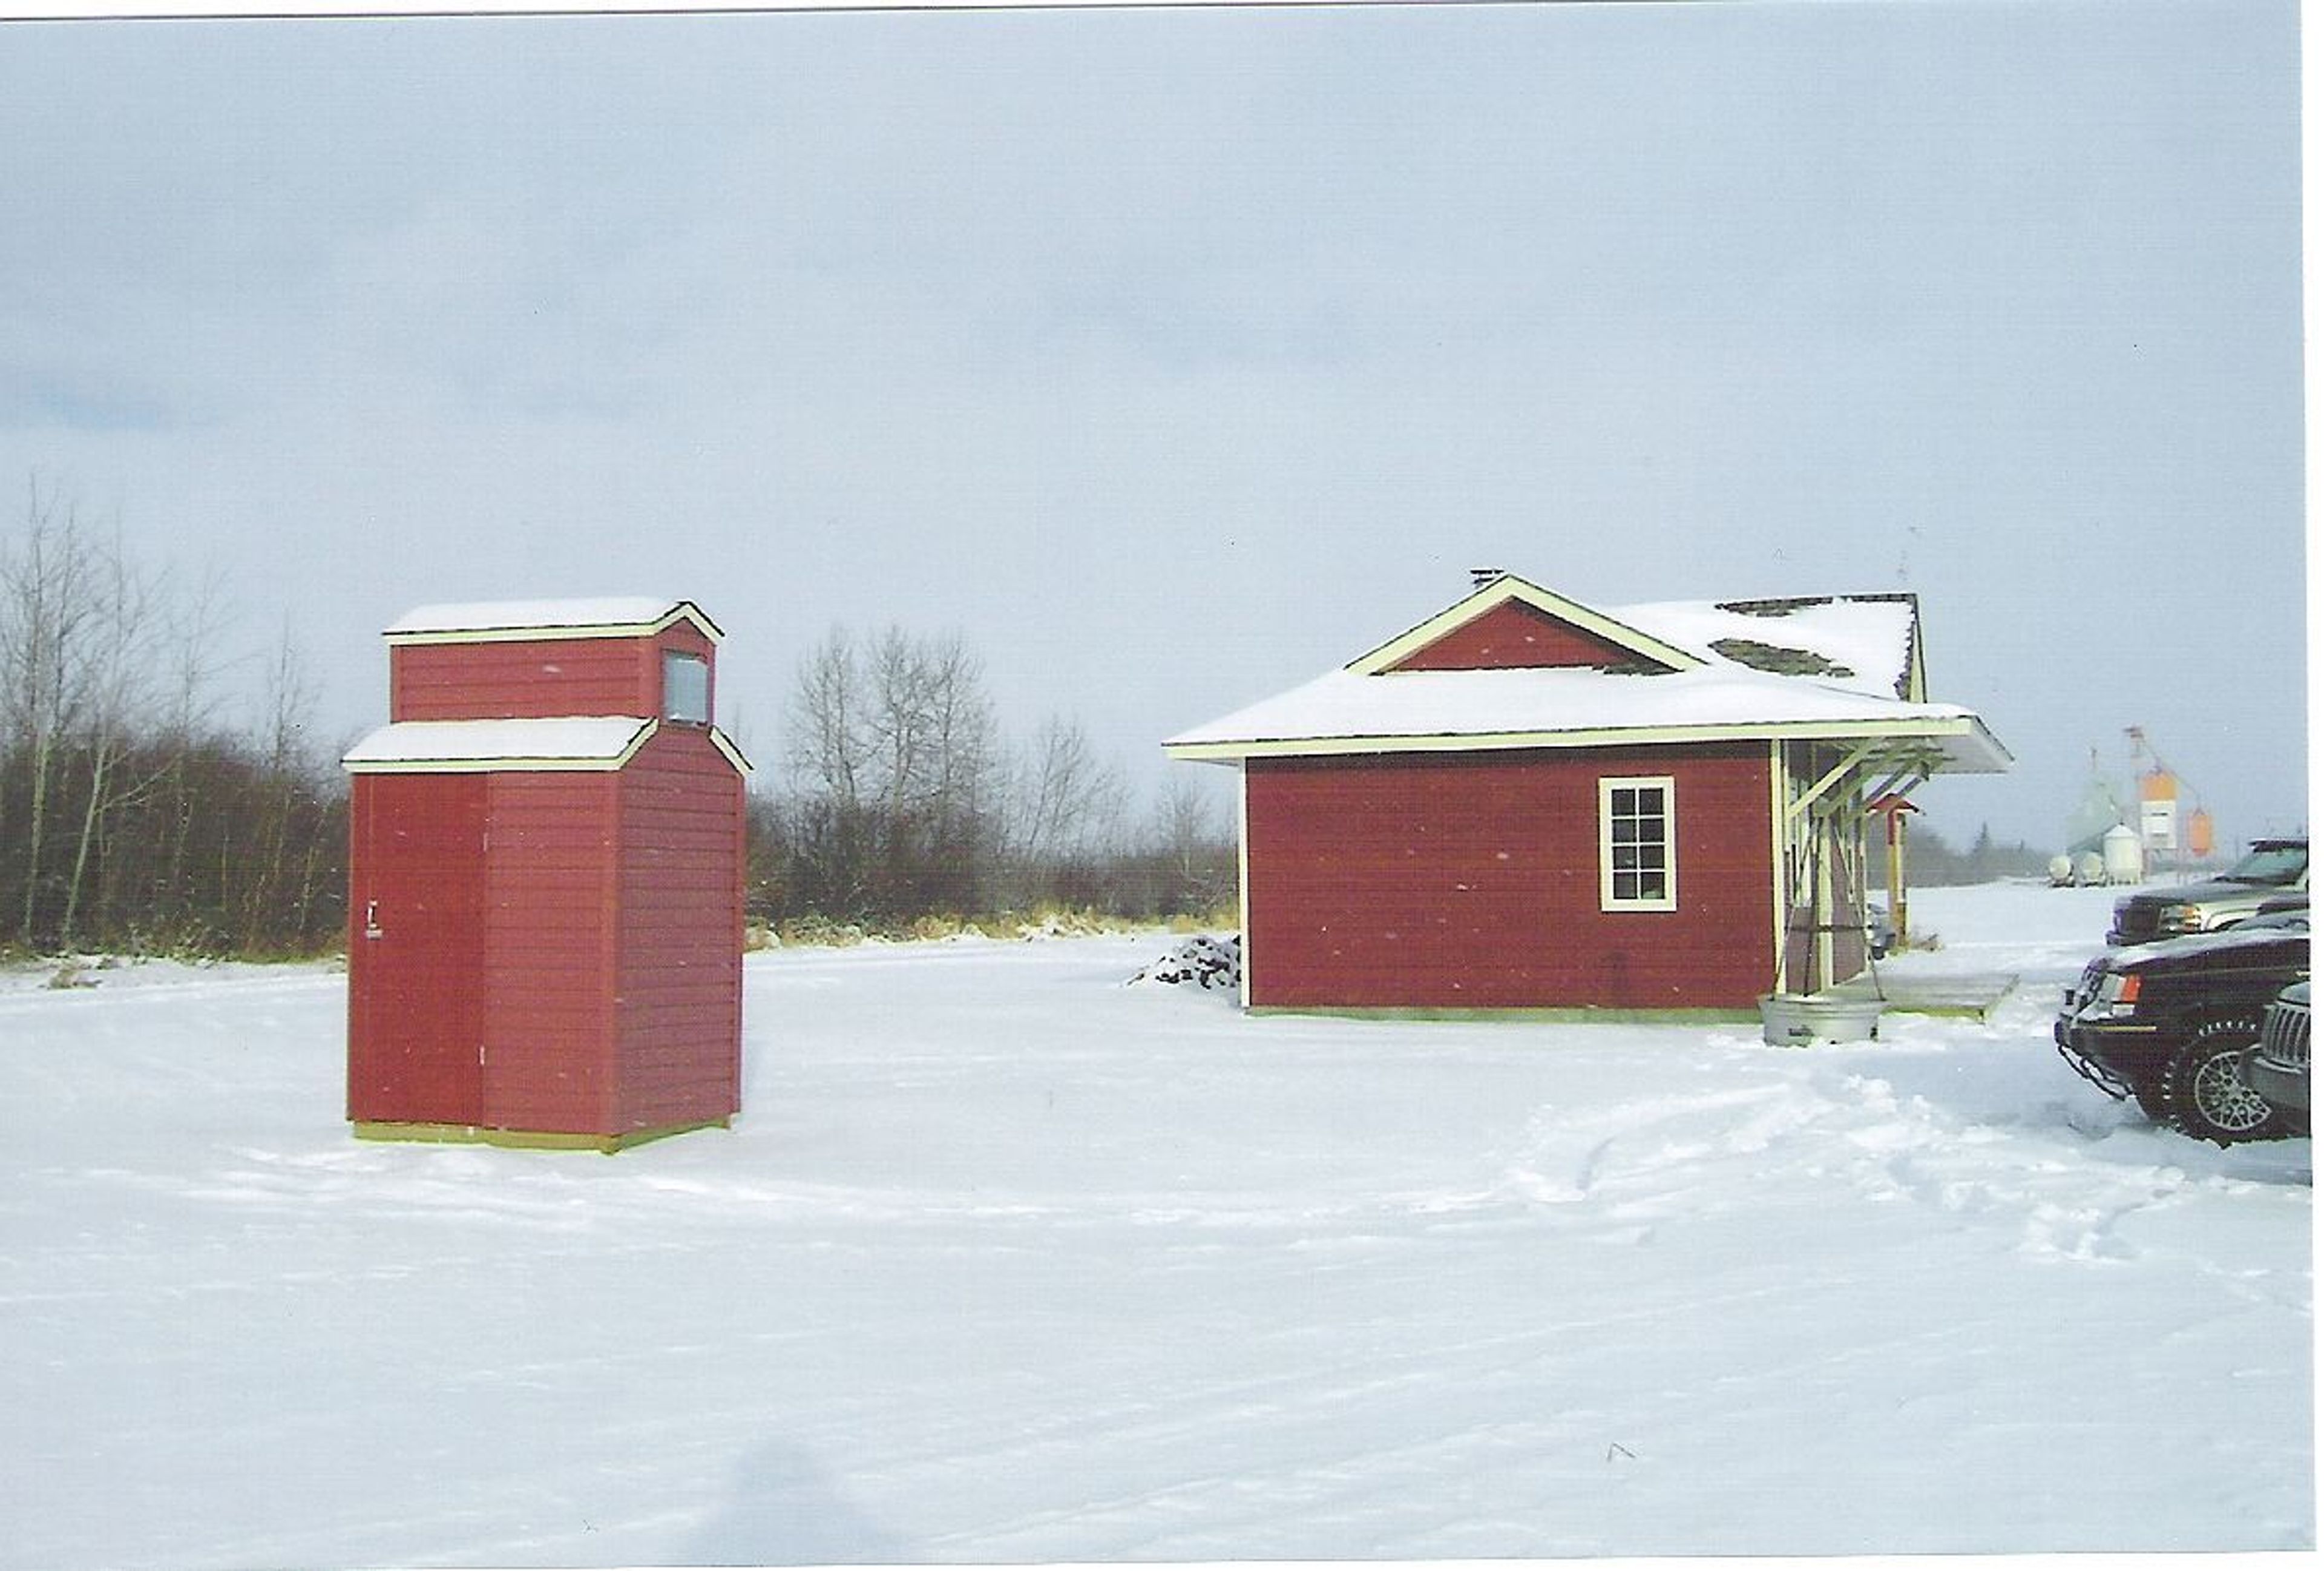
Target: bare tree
{"x": 929, "y": 727}
{"x": 826, "y": 743}
{"x": 893, "y": 749}
{"x": 826, "y": 828}
{"x": 273, "y": 899}
{"x": 905, "y": 801}
{"x": 932, "y": 727}
{"x": 196, "y": 634}
{"x": 1190, "y": 836}
{"x": 1064, "y": 824}
{"x": 114, "y": 677}
{"x": 50, "y": 602}
{"x": 125, "y": 816}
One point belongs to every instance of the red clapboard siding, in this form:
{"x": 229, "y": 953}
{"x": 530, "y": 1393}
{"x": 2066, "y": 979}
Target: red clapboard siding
{"x": 1512, "y": 635}
{"x": 1471, "y": 881}
{"x": 536, "y": 678}
{"x": 679, "y": 973}
{"x": 549, "y": 1039}
{"x": 519, "y": 680}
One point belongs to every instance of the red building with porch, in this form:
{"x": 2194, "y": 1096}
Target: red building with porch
{"x": 1523, "y": 802}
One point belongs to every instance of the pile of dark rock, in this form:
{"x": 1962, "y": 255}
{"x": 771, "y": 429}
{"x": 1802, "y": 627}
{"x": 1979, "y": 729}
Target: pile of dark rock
{"x": 1204, "y": 961}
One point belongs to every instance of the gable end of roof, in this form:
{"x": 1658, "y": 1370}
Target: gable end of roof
{"x": 1613, "y": 643}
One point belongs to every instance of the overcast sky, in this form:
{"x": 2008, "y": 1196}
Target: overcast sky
{"x": 1174, "y": 356}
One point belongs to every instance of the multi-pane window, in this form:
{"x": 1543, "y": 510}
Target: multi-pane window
{"x": 1635, "y": 841}
{"x": 685, "y": 688}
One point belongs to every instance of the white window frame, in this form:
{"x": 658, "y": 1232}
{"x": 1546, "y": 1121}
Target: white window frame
{"x": 1607, "y": 821}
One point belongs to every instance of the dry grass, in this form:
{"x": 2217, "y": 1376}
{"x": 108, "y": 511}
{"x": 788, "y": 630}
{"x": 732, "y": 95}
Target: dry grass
{"x": 1042, "y": 922}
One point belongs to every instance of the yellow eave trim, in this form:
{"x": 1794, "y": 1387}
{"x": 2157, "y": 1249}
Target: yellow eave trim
{"x": 684, "y": 611}
{"x": 725, "y": 744}
{"x": 493, "y": 766}
{"x": 1500, "y": 591}
{"x": 604, "y": 765}
{"x": 1602, "y": 736}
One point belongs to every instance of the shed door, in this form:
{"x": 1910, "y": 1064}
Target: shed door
{"x": 416, "y": 951}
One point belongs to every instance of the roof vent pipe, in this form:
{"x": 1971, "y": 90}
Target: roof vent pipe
{"x": 1480, "y": 576}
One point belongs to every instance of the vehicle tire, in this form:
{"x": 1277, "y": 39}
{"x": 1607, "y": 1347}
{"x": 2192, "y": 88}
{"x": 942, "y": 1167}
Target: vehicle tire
{"x": 2205, "y": 1097}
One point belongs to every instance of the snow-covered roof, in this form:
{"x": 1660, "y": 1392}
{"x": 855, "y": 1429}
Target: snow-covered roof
{"x": 1833, "y": 668}
{"x": 576, "y": 742}
{"x": 1343, "y": 711}
{"x": 608, "y": 617}
{"x": 595, "y": 742}
{"x": 1863, "y": 642}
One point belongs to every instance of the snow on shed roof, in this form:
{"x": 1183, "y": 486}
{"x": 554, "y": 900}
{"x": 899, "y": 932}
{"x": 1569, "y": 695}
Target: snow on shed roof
{"x": 564, "y": 742}
{"x": 609, "y": 617}
{"x": 593, "y": 742}
{"x": 1832, "y": 666}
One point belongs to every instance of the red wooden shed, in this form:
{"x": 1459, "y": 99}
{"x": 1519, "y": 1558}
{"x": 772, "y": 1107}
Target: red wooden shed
{"x": 1523, "y": 802}
{"x": 545, "y": 913}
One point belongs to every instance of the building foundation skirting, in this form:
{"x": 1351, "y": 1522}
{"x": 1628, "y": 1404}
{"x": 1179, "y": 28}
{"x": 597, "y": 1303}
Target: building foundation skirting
{"x": 526, "y": 1139}
{"x": 1581, "y": 1014}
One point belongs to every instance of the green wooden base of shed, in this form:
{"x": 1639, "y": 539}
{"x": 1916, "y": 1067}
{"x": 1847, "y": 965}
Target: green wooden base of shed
{"x": 1964, "y": 997}
{"x": 525, "y": 1139}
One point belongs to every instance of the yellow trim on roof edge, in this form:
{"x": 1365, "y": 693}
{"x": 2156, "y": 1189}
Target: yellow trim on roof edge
{"x": 725, "y": 744}
{"x": 1507, "y": 588}
{"x": 493, "y": 766}
{"x": 684, "y": 611}
{"x": 604, "y": 765}
{"x": 1602, "y": 736}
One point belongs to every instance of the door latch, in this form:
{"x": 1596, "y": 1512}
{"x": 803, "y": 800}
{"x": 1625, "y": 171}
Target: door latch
{"x": 372, "y": 930}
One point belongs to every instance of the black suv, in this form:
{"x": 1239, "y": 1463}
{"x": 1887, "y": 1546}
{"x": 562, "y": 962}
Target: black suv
{"x": 2269, "y": 869}
{"x": 2169, "y": 1023}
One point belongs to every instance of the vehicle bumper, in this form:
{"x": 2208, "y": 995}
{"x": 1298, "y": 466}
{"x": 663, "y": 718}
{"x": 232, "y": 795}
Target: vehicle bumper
{"x": 2115, "y": 1058}
{"x": 2117, "y": 939}
{"x": 2282, "y": 1087}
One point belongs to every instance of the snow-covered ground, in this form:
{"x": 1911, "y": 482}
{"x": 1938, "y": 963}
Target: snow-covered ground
{"x": 1008, "y": 1261}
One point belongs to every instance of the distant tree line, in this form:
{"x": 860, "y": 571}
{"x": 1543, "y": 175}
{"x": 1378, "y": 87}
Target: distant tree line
{"x": 1931, "y": 861}
{"x": 899, "y": 797}
{"x": 133, "y": 819}
{"x": 130, "y": 817}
